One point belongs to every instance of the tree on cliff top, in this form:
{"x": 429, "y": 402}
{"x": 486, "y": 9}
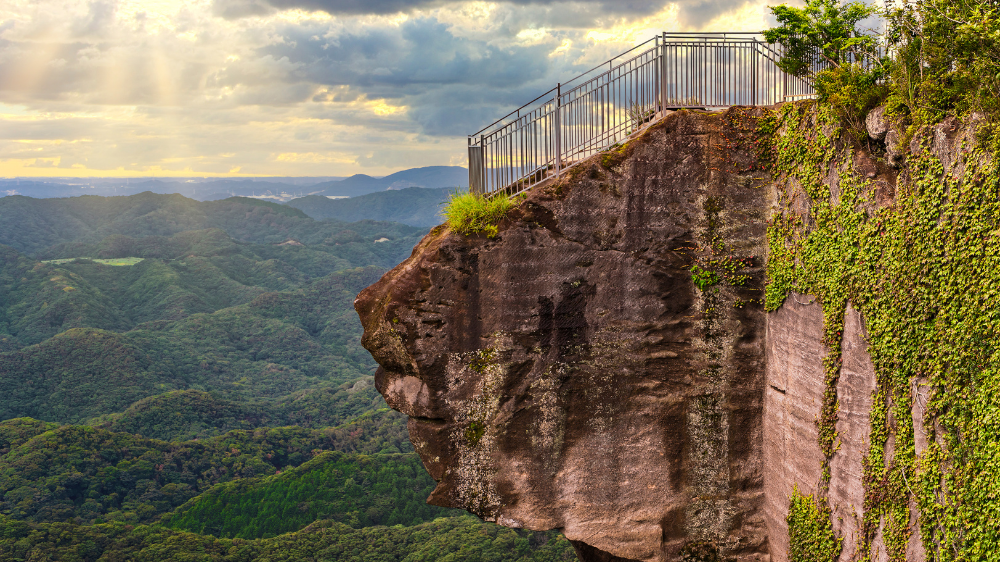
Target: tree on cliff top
{"x": 853, "y": 79}
{"x": 824, "y": 28}
{"x": 946, "y": 61}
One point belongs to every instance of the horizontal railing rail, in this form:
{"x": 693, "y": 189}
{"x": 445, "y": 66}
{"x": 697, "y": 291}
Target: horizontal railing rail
{"x": 605, "y": 105}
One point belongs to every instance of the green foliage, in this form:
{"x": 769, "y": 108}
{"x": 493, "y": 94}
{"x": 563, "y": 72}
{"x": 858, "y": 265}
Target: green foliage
{"x": 54, "y": 473}
{"x": 190, "y": 414}
{"x": 924, "y": 273}
{"x": 824, "y": 28}
{"x": 853, "y": 92}
{"x": 615, "y": 155}
{"x": 947, "y": 62}
{"x": 483, "y": 359}
{"x": 469, "y": 213}
{"x": 854, "y": 81}
{"x": 14, "y": 433}
{"x": 810, "y": 530}
{"x": 357, "y": 490}
{"x": 703, "y": 278}
{"x": 474, "y": 432}
{"x": 277, "y": 344}
{"x": 450, "y": 539}
{"x": 188, "y": 273}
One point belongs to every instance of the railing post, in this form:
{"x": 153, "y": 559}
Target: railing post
{"x": 558, "y": 128}
{"x": 663, "y": 75}
{"x": 477, "y": 169}
{"x": 753, "y": 72}
{"x": 784, "y": 85}
{"x": 658, "y": 80}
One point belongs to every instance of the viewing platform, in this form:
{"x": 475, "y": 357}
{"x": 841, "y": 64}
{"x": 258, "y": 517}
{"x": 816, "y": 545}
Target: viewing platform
{"x": 602, "y": 107}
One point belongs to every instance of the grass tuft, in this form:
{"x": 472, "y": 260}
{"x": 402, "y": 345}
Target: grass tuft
{"x": 469, "y": 213}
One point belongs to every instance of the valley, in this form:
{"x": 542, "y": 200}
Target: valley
{"x": 187, "y": 377}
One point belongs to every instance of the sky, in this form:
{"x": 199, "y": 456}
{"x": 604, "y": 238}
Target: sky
{"x": 127, "y": 88}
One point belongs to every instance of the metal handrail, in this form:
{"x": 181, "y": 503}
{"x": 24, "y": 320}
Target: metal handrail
{"x": 598, "y": 67}
{"x": 605, "y": 105}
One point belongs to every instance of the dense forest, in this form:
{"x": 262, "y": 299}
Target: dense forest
{"x": 185, "y": 380}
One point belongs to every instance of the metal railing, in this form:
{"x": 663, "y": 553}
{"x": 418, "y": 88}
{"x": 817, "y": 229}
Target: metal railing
{"x": 603, "y": 106}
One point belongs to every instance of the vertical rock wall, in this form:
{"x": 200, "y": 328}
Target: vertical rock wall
{"x": 569, "y": 374}
{"x": 793, "y": 397}
{"x": 855, "y": 392}
{"x": 793, "y": 400}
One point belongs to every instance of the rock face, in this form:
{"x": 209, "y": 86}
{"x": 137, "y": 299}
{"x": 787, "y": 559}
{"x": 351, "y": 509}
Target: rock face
{"x": 604, "y": 365}
{"x": 877, "y": 123}
{"x": 569, "y": 374}
{"x": 792, "y": 399}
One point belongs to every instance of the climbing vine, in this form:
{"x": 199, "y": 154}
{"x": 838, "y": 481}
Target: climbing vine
{"x": 925, "y": 273}
{"x": 810, "y": 531}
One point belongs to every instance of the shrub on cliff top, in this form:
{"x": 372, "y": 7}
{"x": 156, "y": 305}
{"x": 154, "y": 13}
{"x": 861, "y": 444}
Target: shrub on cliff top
{"x": 470, "y": 213}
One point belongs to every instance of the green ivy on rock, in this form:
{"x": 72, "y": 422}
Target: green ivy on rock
{"x": 810, "y": 531}
{"x": 925, "y": 274}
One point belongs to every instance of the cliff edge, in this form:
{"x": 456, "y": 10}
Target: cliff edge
{"x": 570, "y": 374}
{"x": 744, "y": 335}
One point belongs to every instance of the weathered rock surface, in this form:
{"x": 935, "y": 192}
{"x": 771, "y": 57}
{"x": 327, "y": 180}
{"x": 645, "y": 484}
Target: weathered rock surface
{"x": 793, "y": 398}
{"x": 568, "y": 373}
{"x": 877, "y": 123}
{"x": 895, "y": 154}
{"x": 855, "y": 391}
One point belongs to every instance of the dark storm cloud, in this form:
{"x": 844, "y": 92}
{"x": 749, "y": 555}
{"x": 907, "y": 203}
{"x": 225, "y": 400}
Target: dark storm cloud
{"x": 451, "y": 85}
{"x": 242, "y": 8}
{"x": 419, "y": 53}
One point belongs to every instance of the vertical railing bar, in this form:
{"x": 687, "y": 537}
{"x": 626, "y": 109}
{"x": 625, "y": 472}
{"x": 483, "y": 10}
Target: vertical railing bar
{"x": 558, "y": 126}
{"x": 504, "y": 162}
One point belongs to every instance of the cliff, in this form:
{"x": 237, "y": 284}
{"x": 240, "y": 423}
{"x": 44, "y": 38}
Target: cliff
{"x": 683, "y": 349}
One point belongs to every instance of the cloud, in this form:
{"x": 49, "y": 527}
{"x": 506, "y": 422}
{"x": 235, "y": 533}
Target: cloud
{"x": 396, "y": 60}
{"x": 233, "y": 9}
{"x": 169, "y": 85}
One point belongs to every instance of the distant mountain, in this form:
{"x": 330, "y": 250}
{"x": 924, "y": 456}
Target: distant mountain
{"x": 221, "y": 189}
{"x": 430, "y": 177}
{"x": 42, "y": 189}
{"x": 358, "y": 184}
{"x": 203, "y": 189}
{"x": 413, "y": 206}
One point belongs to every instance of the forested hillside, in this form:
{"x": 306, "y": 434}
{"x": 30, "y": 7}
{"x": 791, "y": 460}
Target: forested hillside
{"x": 452, "y": 539}
{"x": 414, "y": 206}
{"x": 78, "y": 226}
{"x": 196, "y": 366}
